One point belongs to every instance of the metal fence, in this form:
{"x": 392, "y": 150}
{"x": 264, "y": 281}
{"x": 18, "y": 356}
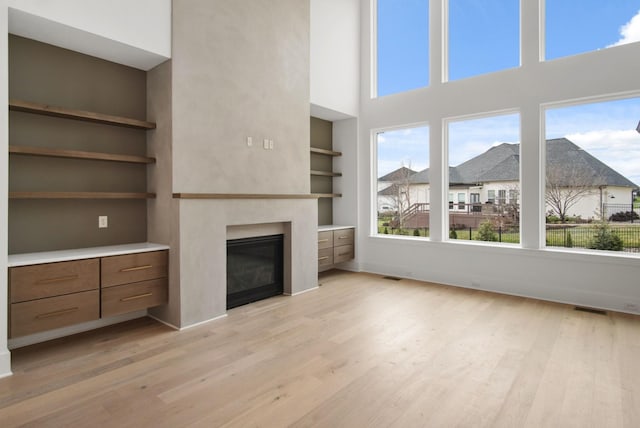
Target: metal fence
{"x": 556, "y": 236}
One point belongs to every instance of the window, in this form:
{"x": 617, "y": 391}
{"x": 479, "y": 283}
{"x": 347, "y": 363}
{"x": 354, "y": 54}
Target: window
{"x": 403, "y": 181}
{"x": 484, "y": 36}
{"x": 450, "y": 201}
{"x": 592, "y": 174}
{"x": 574, "y": 28}
{"x": 484, "y": 157}
{"x": 513, "y": 196}
{"x": 491, "y": 196}
{"x": 402, "y": 46}
{"x": 502, "y": 197}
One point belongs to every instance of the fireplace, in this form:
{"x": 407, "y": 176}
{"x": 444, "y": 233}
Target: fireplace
{"x": 254, "y": 269}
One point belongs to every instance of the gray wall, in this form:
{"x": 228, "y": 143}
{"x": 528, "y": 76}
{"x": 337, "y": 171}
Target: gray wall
{"x": 239, "y": 69}
{"x": 46, "y": 74}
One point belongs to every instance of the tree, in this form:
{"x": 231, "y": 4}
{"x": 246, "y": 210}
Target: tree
{"x": 400, "y": 193}
{"x": 605, "y": 239}
{"x": 566, "y": 187}
{"x": 486, "y": 232}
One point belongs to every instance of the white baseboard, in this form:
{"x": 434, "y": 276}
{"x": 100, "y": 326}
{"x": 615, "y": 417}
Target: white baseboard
{"x": 5, "y": 364}
{"x": 202, "y": 322}
{"x": 302, "y": 292}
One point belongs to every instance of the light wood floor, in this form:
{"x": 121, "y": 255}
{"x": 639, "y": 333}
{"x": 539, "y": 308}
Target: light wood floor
{"x": 361, "y": 351}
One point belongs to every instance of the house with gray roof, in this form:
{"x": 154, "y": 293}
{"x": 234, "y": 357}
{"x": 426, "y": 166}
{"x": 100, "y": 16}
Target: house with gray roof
{"x": 489, "y": 182}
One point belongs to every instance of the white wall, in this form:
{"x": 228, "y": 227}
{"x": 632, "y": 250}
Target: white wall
{"x": 601, "y": 280}
{"x": 335, "y": 56}
{"x": 135, "y": 33}
{"x": 5, "y": 358}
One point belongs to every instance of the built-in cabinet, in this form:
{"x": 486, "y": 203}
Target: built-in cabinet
{"x": 54, "y": 294}
{"x": 335, "y": 245}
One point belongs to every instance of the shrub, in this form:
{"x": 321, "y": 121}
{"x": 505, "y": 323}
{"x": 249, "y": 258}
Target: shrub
{"x": 624, "y": 216}
{"x": 486, "y": 232}
{"x": 416, "y": 232}
{"x": 605, "y": 239}
{"x": 553, "y": 219}
{"x": 385, "y": 231}
{"x": 453, "y": 234}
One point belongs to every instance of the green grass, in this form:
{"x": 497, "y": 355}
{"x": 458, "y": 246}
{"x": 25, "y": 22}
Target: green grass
{"x": 555, "y": 238}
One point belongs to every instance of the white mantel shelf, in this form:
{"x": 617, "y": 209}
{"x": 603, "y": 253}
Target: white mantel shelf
{"x": 327, "y": 227}
{"x": 26, "y": 259}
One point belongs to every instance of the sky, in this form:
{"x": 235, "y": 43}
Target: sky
{"x": 484, "y": 37}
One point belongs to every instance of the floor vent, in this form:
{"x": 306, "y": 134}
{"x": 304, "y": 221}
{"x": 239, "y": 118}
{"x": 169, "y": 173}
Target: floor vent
{"x": 590, "y": 310}
{"x": 391, "y": 278}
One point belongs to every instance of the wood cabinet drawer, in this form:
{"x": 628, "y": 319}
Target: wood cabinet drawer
{"x": 54, "y": 312}
{"x": 53, "y": 279}
{"x": 118, "y": 270}
{"x": 132, "y": 297}
{"x": 325, "y": 257}
{"x": 342, "y": 237}
{"x": 342, "y": 253}
{"x": 325, "y": 239}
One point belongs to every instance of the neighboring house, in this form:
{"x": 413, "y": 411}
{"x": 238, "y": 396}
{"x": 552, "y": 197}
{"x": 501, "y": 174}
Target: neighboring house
{"x": 489, "y": 182}
{"x": 390, "y": 188}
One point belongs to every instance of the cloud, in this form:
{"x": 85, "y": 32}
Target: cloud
{"x": 619, "y": 149}
{"x": 629, "y": 32}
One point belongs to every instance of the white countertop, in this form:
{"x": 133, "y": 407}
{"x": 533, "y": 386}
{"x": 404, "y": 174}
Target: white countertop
{"x": 327, "y": 227}
{"x": 25, "y": 259}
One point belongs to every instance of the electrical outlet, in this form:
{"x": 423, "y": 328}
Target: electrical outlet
{"x": 103, "y": 222}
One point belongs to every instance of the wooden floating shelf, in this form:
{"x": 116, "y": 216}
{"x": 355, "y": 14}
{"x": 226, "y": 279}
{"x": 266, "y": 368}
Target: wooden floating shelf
{"x": 243, "y": 196}
{"x": 328, "y": 195}
{"x": 75, "y": 154}
{"x": 80, "y": 195}
{"x": 325, "y": 152}
{"x": 326, "y": 173}
{"x": 86, "y": 116}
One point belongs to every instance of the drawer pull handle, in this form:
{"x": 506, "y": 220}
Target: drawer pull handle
{"x": 56, "y": 313}
{"x": 323, "y": 258}
{"x": 131, "y": 269}
{"x": 139, "y": 296}
{"x": 323, "y": 240}
{"x": 344, "y": 254}
{"x": 343, "y": 237}
{"x": 59, "y": 279}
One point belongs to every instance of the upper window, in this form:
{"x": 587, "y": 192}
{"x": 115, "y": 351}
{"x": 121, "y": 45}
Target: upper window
{"x": 484, "y": 36}
{"x": 402, "y": 52}
{"x": 574, "y": 28}
{"x": 403, "y": 181}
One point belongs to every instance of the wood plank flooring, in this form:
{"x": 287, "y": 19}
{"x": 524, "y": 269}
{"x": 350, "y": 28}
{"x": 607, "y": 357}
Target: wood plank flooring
{"x": 361, "y": 351}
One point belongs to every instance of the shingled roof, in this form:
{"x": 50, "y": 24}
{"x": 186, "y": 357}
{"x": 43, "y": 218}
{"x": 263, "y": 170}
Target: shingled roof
{"x": 398, "y": 175}
{"x": 502, "y": 163}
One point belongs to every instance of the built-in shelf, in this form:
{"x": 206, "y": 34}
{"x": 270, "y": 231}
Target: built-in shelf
{"x": 325, "y": 152}
{"x": 80, "y": 195}
{"x": 245, "y": 196}
{"x": 75, "y": 154}
{"x": 86, "y": 116}
{"x": 326, "y": 173}
{"x": 327, "y": 195}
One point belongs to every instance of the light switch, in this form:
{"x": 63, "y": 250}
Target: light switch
{"x": 249, "y": 141}
{"x": 265, "y": 144}
{"x": 270, "y": 144}
{"x": 103, "y": 222}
